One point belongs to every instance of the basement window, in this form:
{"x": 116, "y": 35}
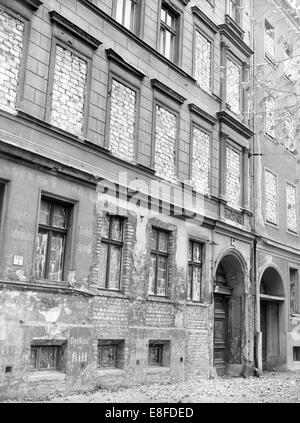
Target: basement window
{"x": 296, "y": 353}
{"x": 47, "y": 354}
{"x": 159, "y": 353}
{"x": 110, "y": 354}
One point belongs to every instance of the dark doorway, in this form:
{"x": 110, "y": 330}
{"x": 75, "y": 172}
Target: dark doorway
{"x": 263, "y": 328}
{"x": 220, "y": 332}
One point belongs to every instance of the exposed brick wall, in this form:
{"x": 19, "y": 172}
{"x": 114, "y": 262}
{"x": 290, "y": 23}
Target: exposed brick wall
{"x": 233, "y": 86}
{"x": 271, "y": 197}
{"x": 291, "y": 207}
{"x": 233, "y": 178}
{"x": 270, "y": 116}
{"x": 122, "y": 120}
{"x": 160, "y": 314}
{"x": 165, "y": 140}
{"x": 197, "y": 362}
{"x": 11, "y": 44}
{"x": 201, "y": 161}
{"x": 202, "y": 61}
{"x": 69, "y": 89}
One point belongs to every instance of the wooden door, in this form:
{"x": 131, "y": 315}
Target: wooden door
{"x": 220, "y": 330}
{"x": 263, "y": 329}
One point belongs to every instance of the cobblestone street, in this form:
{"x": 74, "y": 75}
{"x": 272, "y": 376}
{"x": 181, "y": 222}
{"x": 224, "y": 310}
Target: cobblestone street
{"x": 278, "y": 387}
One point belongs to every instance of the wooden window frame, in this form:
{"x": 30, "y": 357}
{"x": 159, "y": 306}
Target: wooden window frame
{"x": 192, "y": 265}
{"x": 134, "y": 20}
{"x": 158, "y": 254}
{"x": 236, "y": 5}
{"x": 110, "y": 242}
{"x": 176, "y": 31}
{"x": 160, "y": 348}
{"x": 118, "y": 345}
{"x": 38, "y": 348}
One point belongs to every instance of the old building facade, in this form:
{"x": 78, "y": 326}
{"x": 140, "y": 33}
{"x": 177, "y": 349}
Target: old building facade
{"x": 130, "y": 251}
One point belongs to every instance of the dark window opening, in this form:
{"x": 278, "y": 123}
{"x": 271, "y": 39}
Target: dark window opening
{"x": 296, "y": 353}
{"x": 111, "y": 252}
{"x": 51, "y": 241}
{"x": 195, "y": 271}
{"x": 159, "y": 262}
{"x": 110, "y": 354}
{"x": 294, "y": 291}
{"x": 159, "y": 353}
{"x": 46, "y": 357}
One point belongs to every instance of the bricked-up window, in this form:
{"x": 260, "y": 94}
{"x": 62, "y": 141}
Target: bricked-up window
{"x": 169, "y": 32}
{"x": 11, "y": 45}
{"x": 165, "y": 143}
{"x": 45, "y": 357}
{"x": 122, "y": 120}
{"x": 233, "y": 8}
{"x": 195, "y": 271}
{"x": 294, "y": 291}
{"x": 201, "y": 160}
{"x": 51, "y": 241}
{"x": 69, "y": 91}
{"x": 291, "y": 212}
{"x": 2, "y": 192}
{"x": 271, "y": 197}
{"x": 270, "y": 115}
{"x": 110, "y": 353}
{"x": 203, "y": 52}
{"x": 233, "y": 178}
{"x": 111, "y": 252}
{"x": 159, "y": 353}
{"x": 124, "y": 11}
{"x": 233, "y": 86}
{"x": 269, "y": 40}
{"x": 159, "y": 262}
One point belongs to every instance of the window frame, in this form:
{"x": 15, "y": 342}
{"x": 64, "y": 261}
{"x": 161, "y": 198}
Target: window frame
{"x": 291, "y": 231}
{"x": 296, "y": 309}
{"x": 271, "y": 136}
{"x": 192, "y": 264}
{"x": 135, "y": 21}
{"x": 119, "y": 353}
{"x": 270, "y": 57}
{"x": 238, "y": 63}
{"x": 177, "y": 14}
{"x": 38, "y": 348}
{"x": 164, "y": 354}
{"x": 268, "y": 222}
{"x": 109, "y": 242}
{"x": 158, "y": 254}
{"x": 160, "y": 348}
{"x": 210, "y": 39}
{"x": 236, "y": 3}
{"x": 237, "y": 149}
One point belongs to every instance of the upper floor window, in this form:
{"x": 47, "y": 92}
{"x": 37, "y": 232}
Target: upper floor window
{"x": 111, "y": 252}
{"x": 195, "y": 271}
{"x": 51, "y": 241}
{"x": 169, "y": 33}
{"x": 270, "y": 115}
{"x": 294, "y": 291}
{"x": 233, "y": 9}
{"x": 125, "y": 12}
{"x": 233, "y": 86}
{"x": 159, "y": 262}
{"x": 233, "y": 177}
{"x": 271, "y": 197}
{"x": 269, "y": 39}
{"x": 201, "y": 158}
{"x": 291, "y": 212}
{"x": 203, "y": 52}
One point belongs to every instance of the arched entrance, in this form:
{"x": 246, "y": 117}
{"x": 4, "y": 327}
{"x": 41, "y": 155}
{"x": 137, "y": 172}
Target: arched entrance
{"x": 271, "y": 319}
{"x": 229, "y": 313}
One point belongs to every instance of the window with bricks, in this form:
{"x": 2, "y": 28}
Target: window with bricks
{"x": 195, "y": 263}
{"x": 169, "y": 32}
{"x": 122, "y": 120}
{"x": 294, "y": 291}
{"x": 110, "y": 353}
{"x": 291, "y": 212}
{"x": 69, "y": 91}
{"x": 203, "y": 61}
{"x": 269, "y": 40}
{"x": 124, "y": 11}
{"x": 271, "y": 197}
{"x": 111, "y": 252}
{"x": 11, "y": 45}
{"x": 233, "y": 86}
{"x": 233, "y": 8}
{"x": 51, "y": 240}
{"x": 201, "y": 160}
{"x": 159, "y": 262}
{"x": 165, "y": 143}
{"x": 233, "y": 178}
{"x": 270, "y": 116}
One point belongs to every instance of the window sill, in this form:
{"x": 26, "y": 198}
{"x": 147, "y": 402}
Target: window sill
{"x": 158, "y": 370}
{"x": 295, "y": 316}
{"x": 272, "y": 225}
{"x": 46, "y": 375}
{"x": 110, "y": 372}
{"x": 32, "y": 285}
{"x": 293, "y": 233}
{"x": 156, "y": 298}
{"x": 196, "y": 303}
{"x": 270, "y": 59}
{"x": 102, "y": 292}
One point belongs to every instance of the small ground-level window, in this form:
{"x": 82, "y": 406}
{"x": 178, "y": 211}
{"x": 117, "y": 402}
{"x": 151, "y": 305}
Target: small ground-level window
{"x": 159, "y": 353}
{"x": 44, "y": 357}
{"x": 296, "y": 353}
{"x": 110, "y": 354}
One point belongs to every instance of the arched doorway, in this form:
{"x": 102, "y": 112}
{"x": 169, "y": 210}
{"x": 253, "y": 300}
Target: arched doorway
{"x": 229, "y": 313}
{"x": 271, "y": 319}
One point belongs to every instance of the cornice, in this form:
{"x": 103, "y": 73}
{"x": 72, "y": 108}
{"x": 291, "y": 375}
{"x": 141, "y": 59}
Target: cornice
{"x": 234, "y": 124}
{"x": 33, "y": 4}
{"x": 202, "y": 113}
{"x": 156, "y": 84}
{"x": 205, "y": 19}
{"x": 113, "y": 56}
{"x": 231, "y": 35}
{"x": 234, "y": 26}
{"x": 59, "y": 20}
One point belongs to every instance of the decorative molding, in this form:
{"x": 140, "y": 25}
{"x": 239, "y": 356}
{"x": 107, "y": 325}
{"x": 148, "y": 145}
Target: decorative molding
{"x": 234, "y": 124}
{"x": 33, "y": 4}
{"x": 157, "y": 85}
{"x": 59, "y": 20}
{"x": 112, "y": 55}
{"x": 38, "y": 286}
{"x": 185, "y": 2}
{"x": 231, "y": 35}
{"x": 205, "y": 19}
{"x": 134, "y": 37}
{"x": 233, "y": 215}
{"x": 234, "y": 26}
{"x": 202, "y": 114}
